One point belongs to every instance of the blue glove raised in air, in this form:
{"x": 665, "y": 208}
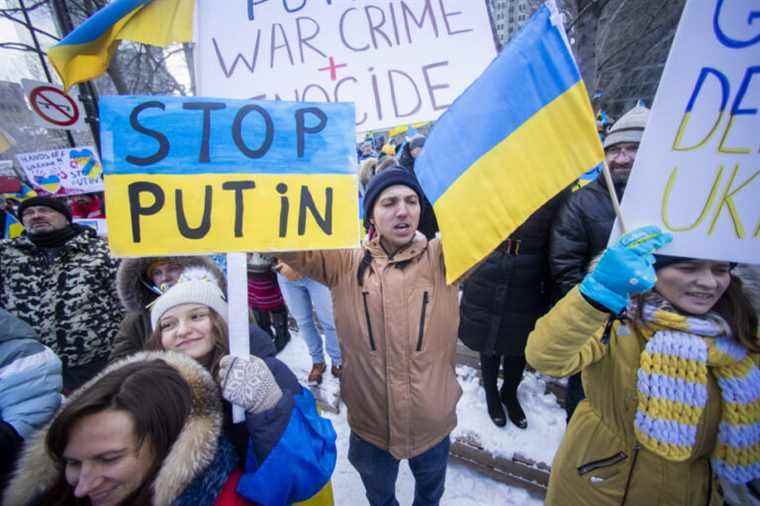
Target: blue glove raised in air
{"x": 626, "y": 268}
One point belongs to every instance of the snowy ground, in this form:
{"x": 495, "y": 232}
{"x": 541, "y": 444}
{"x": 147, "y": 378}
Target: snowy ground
{"x": 546, "y": 424}
{"x": 546, "y": 419}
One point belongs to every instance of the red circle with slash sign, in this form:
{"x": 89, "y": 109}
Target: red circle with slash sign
{"x": 54, "y": 106}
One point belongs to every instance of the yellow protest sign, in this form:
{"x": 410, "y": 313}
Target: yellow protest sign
{"x": 194, "y": 175}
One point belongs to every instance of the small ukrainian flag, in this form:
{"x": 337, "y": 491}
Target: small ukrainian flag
{"x": 530, "y": 132}
{"x": 86, "y": 52}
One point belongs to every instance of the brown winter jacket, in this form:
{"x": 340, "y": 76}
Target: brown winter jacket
{"x": 599, "y": 457}
{"x": 398, "y": 341}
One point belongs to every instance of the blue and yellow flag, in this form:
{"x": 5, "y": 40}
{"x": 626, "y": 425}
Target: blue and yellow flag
{"x": 85, "y": 53}
{"x": 530, "y": 133}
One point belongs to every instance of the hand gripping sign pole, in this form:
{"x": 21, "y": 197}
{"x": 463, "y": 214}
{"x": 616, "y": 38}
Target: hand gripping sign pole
{"x": 201, "y": 175}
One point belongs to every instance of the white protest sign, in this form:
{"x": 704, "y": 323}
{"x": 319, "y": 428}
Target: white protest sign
{"x": 68, "y": 171}
{"x": 400, "y": 62}
{"x": 697, "y": 171}
{"x": 52, "y": 107}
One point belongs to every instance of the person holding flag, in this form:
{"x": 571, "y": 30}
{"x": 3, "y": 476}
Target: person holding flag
{"x": 397, "y": 321}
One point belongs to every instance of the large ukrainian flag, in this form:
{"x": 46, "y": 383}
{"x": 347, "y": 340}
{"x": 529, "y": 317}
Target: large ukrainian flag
{"x": 85, "y": 53}
{"x": 515, "y": 138}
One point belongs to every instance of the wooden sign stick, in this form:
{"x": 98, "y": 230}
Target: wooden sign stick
{"x": 613, "y": 196}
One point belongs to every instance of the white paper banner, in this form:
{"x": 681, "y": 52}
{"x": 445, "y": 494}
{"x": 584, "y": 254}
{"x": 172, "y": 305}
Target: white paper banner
{"x": 400, "y": 62}
{"x": 697, "y": 172}
{"x": 68, "y": 171}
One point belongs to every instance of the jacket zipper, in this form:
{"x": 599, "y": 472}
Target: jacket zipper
{"x": 422, "y": 320}
{"x": 369, "y": 322}
{"x": 609, "y": 461}
{"x": 636, "y": 449}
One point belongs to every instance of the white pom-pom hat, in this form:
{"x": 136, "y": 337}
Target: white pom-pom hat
{"x": 195, "y": 286}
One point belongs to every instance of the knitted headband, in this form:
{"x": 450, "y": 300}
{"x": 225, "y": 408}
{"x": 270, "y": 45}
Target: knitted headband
{"x": 661, "y": 261}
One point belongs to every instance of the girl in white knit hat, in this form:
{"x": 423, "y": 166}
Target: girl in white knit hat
{"x": 281, "y": 417}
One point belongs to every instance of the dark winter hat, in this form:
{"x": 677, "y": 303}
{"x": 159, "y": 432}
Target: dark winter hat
{"x": 661, "y": 261}
{"x": 389, "y": 177}
{"x": 58, "y": 205}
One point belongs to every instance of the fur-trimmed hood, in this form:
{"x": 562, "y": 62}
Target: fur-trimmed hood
{"x": 130, "y": 278}
{"x": 191, "y": 454}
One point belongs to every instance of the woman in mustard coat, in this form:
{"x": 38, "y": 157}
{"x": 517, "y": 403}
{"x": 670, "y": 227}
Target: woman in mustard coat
{"x": 670, "y": 371}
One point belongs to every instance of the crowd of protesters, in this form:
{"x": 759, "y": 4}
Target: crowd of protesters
{"x": 661, "y": 354}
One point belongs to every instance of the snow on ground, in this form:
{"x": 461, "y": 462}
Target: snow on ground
{"x": 546, "y": 419}
{"x": 464, "y": 487}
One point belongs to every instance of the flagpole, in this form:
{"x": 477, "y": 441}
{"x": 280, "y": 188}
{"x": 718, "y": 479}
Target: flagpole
{"x": 613, "y": 196}
{"x": 558, "y": 21}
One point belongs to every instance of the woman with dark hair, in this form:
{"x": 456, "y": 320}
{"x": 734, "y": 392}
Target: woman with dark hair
{"x": 284, "y": 451}
{"x": 191, "y": 318}
{"x": 147, "y": 430}
{"x": 668, "y": 351}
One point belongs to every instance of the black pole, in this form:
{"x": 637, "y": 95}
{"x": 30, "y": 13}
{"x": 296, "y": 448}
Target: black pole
{"x": 87, "y": 92}
{"x": 41, "y": 55}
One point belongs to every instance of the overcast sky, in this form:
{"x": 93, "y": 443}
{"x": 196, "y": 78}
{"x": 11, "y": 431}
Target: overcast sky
{"x": 13, "y": 63}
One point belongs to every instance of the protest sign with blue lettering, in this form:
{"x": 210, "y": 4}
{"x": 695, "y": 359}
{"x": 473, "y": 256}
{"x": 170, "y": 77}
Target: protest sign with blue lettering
{"x": 201, "y": 175}
{"x": 697, "y": 171}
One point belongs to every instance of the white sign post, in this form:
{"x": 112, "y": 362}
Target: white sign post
{"x": 400, "y": 62}
{"x": 54, "y": 108}
{"x": 697, "y": 172}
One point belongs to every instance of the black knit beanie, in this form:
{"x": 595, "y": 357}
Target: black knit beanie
{"x": 55, "y": 204}
{"x": 389, "y": 177}
{"x": 661, "y": 261}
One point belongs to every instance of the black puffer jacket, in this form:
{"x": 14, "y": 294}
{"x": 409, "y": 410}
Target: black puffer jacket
{"x": 508, "y": 292}
{"x": 580, "y": 232}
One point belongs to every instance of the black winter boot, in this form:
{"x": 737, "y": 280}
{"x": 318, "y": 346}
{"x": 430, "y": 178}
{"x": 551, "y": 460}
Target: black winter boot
{"x": 489, "y": 369}
{"x": 513, "y": 372}
{"x": 282, "y": 333}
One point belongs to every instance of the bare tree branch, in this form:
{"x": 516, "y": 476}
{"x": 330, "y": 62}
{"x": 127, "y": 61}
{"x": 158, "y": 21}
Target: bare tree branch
{"x": 27, "y": 26}
{"x": 18, "y": 46}
{"x": 15, "y": 10}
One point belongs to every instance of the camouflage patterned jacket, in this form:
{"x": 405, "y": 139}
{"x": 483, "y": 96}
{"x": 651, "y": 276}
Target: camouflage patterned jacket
{"x": 71, "y": 301}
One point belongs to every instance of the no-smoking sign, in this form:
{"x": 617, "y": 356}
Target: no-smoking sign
{"x": 52, "y": 107}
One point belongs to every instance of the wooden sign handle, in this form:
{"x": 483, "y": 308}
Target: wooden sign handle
{"x": 613, "y": 196}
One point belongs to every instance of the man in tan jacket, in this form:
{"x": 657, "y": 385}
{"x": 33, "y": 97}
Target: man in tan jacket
{"x": 397, "y": 322}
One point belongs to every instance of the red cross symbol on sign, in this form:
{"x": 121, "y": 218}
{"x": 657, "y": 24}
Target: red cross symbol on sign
{"x": 332, "y": 68}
